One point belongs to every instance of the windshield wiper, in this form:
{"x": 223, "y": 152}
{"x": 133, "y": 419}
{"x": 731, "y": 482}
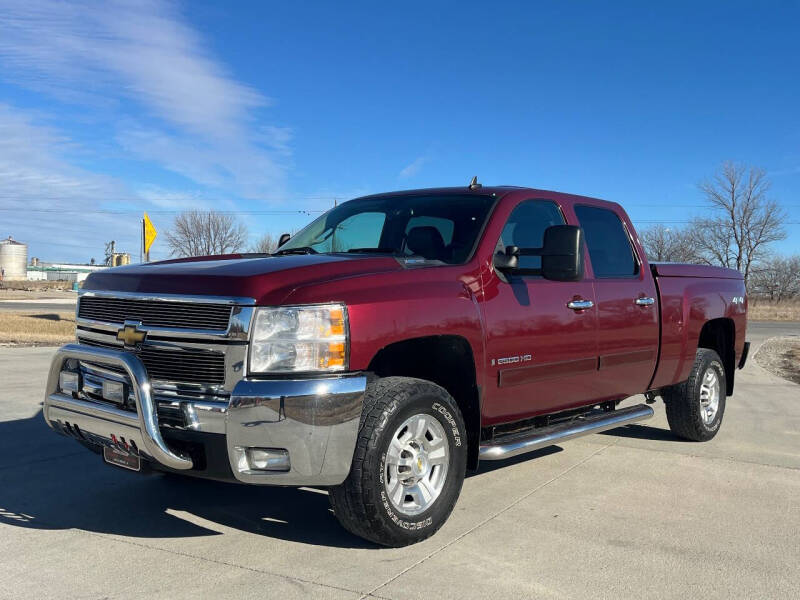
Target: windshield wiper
{"x": 298, "y": 250}
{"x": 374, "y": 250}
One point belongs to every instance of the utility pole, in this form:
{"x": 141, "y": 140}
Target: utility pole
{"x": 110, "y": 250}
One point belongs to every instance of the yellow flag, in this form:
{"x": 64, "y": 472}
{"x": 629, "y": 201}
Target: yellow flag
{"x": 150, "y": 233}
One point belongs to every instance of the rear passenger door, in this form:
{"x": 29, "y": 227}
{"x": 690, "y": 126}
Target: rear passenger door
{"x": 626, "y": 304}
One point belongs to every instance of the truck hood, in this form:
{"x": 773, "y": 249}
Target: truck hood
{"x": 266, "y": 279}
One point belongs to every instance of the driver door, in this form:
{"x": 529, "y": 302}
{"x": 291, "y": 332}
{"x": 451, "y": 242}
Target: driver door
{"x": 541, "y": 354}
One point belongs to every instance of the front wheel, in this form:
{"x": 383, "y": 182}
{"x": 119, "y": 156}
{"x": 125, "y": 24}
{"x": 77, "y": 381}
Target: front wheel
{"x": 696, "y": 406}
{"x": 408, "y": 466}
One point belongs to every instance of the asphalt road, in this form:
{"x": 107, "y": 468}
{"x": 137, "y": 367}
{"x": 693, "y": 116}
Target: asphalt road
{"x": 632, "y": 513}
{"x": 57, "y": 305}
{"x": 758, "y": 331}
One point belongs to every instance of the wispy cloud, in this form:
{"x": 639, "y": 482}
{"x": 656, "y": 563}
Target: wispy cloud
{"x": 412, "y": 169}
{"x": 230, "y": 165}
{"x": 49, "y": 202}
{"x": 198, "y": 120}
{"x": 170, "y": 200}
{"x": 33, "y": 171}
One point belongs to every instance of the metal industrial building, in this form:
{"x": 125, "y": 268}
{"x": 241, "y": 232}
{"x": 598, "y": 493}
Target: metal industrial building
{"x": 61, "y": 272}
{"x": 13, "y": 259}
{"x": 15, "y": 267}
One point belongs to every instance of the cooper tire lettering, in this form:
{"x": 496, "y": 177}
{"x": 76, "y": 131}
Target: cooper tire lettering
{"x": 450, "y": 420}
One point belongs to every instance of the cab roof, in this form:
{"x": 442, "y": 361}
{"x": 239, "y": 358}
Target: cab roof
{"x": 498, "y": 191}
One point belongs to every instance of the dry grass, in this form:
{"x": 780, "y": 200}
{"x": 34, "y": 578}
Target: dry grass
{"x": 37, "y": 328}
{"x": 760, "y": 310}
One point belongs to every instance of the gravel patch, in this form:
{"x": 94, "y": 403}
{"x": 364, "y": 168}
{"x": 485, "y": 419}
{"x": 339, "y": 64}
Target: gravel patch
{"x": 781, "y": 357}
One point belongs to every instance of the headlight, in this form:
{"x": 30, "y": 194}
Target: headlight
{"x": 289, "y": 339}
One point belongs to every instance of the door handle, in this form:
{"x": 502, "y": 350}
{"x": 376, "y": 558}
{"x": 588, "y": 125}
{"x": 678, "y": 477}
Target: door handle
{"x": 580, "y": 304}
{"x": 644, "y": 301}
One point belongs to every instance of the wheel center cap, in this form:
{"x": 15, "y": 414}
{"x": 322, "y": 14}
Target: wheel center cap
{"x": 419, "y": 465}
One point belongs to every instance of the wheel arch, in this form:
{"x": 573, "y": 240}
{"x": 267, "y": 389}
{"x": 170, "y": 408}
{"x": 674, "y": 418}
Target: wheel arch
{"x": 446, "y": 360}
{"x": 720, "y": 335}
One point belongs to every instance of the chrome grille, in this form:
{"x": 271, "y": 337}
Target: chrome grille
{"x": 156, "y": 313}
{"x": 182, "y": 365}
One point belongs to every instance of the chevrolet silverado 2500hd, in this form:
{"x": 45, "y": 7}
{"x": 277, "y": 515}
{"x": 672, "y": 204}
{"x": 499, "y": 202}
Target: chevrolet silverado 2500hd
{"x": 394, "y": 343}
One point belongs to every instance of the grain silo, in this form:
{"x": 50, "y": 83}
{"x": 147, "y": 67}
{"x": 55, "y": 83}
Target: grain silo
{"x": 13, "y": 259}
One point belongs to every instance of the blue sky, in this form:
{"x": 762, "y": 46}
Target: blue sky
{"x": 274, "y": 109}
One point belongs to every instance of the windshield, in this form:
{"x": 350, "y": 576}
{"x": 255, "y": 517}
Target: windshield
{"x": 443, "y": 228}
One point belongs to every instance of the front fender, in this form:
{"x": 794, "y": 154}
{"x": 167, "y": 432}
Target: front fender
{"x": 393, "y": 307}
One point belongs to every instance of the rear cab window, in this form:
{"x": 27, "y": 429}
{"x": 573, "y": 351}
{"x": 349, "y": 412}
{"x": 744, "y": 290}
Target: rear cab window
{"x": 608, "y": 242}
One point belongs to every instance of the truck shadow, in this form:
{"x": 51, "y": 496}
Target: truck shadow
{"x": 50, "y": 482}
{"x": 487, "y": 466}
{"x": 52, "y": 317}
{"x": 644, "y": 432}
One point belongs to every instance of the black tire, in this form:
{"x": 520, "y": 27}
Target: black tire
{"x": 360, "y": 502}
{"x": 684, "y": 410}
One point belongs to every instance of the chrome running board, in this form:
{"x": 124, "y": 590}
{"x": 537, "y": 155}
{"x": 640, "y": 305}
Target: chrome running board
{"x": 528, "y": 441}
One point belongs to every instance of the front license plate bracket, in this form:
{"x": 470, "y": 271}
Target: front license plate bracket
{"x": 119, "y": 458}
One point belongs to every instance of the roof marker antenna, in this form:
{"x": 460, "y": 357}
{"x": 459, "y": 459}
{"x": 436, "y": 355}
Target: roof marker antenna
{"x": 474, "y": 185}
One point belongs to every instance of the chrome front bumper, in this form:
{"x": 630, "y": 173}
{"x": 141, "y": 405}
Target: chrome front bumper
{"x": 315, "y": 420}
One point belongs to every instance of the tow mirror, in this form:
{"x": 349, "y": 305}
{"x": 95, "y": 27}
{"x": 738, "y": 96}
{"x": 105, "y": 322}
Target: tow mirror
{"x": 562, "y": 253}
{"x": 508, "y": 260}
{"x": 283, "y": 239}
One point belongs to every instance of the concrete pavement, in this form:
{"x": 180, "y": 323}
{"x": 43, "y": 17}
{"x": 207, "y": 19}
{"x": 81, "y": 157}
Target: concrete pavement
{"x": 631, "y": 513}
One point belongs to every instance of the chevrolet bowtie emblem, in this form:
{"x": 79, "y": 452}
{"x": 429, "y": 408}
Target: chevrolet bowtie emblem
{"x": 130, "y": 335}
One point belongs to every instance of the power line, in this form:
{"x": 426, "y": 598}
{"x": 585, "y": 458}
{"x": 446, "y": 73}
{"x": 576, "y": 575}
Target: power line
{"x": 255, "y": 213}
{"x": 159, "y": 212}
{"x": 687, "y": 222}
{"x": 144, "y": 199}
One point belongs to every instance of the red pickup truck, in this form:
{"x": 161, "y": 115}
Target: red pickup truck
{"x": 394, "y": 343}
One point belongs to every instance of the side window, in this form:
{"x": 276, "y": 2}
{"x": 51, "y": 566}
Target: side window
{"x": 525, "y": 228}
{"x": 609, "y": 246}
{"x": 445, "y": 226}
{"x": 362, "y": 230}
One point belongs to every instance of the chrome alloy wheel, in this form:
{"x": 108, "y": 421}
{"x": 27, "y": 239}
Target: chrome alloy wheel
{"x": 416, "y": 464}
{"x": 709, "y": 395}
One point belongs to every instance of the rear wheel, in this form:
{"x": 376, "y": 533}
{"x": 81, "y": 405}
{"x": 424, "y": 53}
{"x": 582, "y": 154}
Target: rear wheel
{"x": 409, "y": 463}
{"x": 696, "y": 406}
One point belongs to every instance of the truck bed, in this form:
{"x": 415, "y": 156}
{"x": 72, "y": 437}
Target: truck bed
{"x": 691, "y": 298}
{"x": 694, "y": 271}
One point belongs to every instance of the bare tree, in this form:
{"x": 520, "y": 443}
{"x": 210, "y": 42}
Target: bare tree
{"x": 202, "y": 233}
{"x": 743, "y": 222}
{"x": 266, "y": 244}
{"x": 777, "y": 278}
{"x": 668, "y": 244}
